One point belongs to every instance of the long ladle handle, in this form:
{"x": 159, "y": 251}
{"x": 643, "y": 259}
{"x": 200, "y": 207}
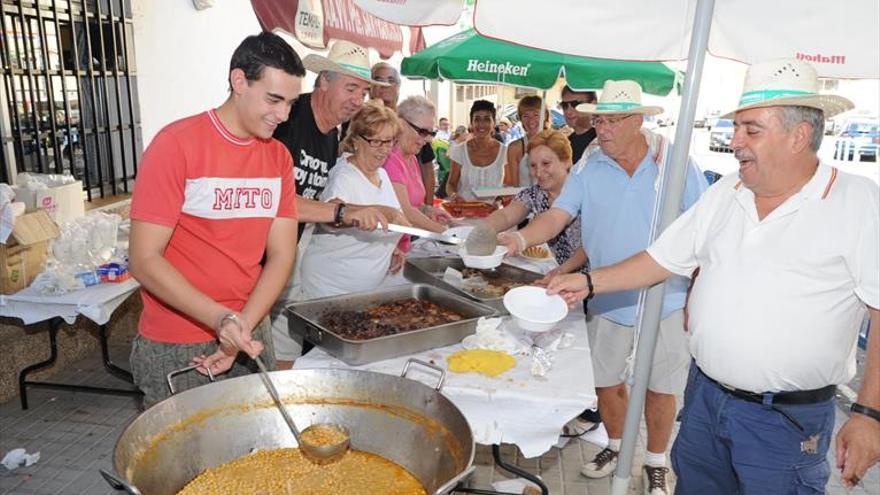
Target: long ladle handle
{"x": 264, "y": 375}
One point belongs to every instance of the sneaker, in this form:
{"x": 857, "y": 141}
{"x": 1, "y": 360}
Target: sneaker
{"x": 654, "y": 480}
{"x": 602, "y": 465}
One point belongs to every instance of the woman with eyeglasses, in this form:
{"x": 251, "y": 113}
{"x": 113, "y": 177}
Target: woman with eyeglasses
{"x": 480, "y": 161}
{"x": 341, "y": 261}
{"x": 517, "y": 172}
{"x": 416, "y": 115}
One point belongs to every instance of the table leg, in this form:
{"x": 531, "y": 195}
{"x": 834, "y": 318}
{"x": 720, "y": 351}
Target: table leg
{"x": 105, "y": 356}
{"x": 496, "y": 455}
{"x": 54, "y": 326}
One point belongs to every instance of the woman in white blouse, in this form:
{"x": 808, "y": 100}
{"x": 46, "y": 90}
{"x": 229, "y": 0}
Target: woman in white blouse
{"x": 479, "y": 162}
{"x": 335, "y": 261}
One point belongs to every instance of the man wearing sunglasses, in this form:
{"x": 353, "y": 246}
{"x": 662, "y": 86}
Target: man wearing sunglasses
{"x": 583, "y": 133}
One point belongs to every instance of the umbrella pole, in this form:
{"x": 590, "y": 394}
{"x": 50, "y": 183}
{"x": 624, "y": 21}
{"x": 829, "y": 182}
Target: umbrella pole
{"x": 674, "y": 175}
{"x": 543, "y": 107}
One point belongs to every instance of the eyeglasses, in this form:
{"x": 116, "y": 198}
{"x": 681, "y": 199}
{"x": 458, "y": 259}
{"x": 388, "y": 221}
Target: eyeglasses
{"x": 387, "y": 80}
{"x": 570, "y": 104}
{"x": 421, "y": 130}
{"x": 609, "y": 121}
{"x": 378, "y": 143}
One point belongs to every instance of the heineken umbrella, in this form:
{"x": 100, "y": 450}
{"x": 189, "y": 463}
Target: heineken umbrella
{"x": 469, "y": 57}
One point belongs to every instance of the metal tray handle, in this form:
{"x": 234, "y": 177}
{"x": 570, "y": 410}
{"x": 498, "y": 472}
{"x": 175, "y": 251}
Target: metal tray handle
{"x": 438, "y": 369}
{"x": 118, "y": 484}
{"x": 174, "y": 373}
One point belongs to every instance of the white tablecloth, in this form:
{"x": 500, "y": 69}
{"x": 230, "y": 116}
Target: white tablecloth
{"x": 514, "y": 407}
{"x": 96, "y": 303}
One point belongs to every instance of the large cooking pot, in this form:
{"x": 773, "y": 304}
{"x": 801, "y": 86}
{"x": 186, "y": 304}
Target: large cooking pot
{"x": 397, "y": 418}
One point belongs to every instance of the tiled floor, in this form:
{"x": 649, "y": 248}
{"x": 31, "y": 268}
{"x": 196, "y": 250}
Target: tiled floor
{"x": 75, "y": 434}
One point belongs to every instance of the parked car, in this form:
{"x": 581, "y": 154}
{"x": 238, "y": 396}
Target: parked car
{"x": 557, "y": 118}
{"x": 859, "y": 136}
{"x": 721, "y": 135}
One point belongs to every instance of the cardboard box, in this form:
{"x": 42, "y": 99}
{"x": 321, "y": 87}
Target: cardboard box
{"x": 63, "y": 203}
{"x": 24, "y": 255}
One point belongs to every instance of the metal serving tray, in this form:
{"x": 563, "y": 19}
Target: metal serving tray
{"x": 430, "y": 271}
{"x": 303, "y": 319}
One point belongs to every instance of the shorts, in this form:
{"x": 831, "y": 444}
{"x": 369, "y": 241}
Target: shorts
{"x": 611, "y": 345}
{"x": 151, "y": 362}
{"x": 287, "y": 348}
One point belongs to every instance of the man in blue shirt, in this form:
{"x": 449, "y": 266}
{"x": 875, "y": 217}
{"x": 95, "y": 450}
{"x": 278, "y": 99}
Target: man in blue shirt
{"x": 615, "y": 193}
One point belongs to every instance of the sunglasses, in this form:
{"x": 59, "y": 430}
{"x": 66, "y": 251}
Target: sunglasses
{"x": 570, "y": 104}
{"x": 421, "y": 130}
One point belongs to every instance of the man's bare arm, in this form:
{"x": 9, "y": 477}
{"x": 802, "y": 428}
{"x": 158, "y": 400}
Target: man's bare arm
{"x": 280, "y": 256}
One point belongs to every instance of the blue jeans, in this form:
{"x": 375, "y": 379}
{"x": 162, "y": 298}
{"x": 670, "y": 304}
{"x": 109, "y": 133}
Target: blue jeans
{"x": 727, "y": 445}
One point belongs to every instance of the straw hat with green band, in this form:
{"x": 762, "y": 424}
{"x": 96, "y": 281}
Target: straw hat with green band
{"x": 346, "y": 58}
{"x": 620, "y": 97}
{"x": 787, "y": 82}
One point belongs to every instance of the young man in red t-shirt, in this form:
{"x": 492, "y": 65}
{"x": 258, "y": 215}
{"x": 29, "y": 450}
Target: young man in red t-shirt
{"x": 213, "y": 194}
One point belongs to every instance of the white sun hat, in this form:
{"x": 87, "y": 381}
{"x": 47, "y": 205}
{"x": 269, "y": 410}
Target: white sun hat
{"x": 346, "y": 58}
{"x": 787, "y": 82}
{"x": 620, "y": 97}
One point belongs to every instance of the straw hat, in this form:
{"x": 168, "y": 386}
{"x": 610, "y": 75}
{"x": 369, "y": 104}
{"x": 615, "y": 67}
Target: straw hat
{"x": 787, "y": 82}
{"x": 346, "y": 58}
{"x": 620, "y": 97}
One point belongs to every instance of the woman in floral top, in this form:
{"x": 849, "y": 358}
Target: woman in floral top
{"x": 550, "y": 160}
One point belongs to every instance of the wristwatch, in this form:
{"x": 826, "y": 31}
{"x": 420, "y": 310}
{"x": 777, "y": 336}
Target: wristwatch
{"x": 339, "y": 214}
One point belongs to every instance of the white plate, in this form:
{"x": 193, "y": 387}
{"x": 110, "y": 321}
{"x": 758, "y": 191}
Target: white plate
{"x": 483, "y": 262}
{"x": 533, "y": 309}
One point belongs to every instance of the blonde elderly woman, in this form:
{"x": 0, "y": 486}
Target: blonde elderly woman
{"x": 517, "y": 172}
{"x": 340, "y": 261}
{"x": 480, "y": 161}
{"x": 549, "y": 157}
{"x": 416, "y": 115}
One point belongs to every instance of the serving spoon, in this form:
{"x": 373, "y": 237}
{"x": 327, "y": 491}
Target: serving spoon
{"x": 316, "y": 452}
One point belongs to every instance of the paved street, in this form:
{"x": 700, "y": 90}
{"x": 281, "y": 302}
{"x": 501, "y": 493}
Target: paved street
{"x": 75, "y": 434}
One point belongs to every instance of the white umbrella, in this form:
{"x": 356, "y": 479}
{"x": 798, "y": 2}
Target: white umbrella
{"x": 841, "y": 40}
{"x": 415, "y": 12}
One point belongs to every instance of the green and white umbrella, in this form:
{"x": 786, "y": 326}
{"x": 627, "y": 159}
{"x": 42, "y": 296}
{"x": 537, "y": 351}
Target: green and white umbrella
{"x": 469, "y": 57}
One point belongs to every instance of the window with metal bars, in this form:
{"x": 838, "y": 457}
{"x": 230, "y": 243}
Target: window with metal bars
{"x": 69, "y": 98}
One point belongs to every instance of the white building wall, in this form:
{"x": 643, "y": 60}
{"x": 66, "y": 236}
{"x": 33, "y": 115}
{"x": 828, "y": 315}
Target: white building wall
{"x": 183, "y": 57}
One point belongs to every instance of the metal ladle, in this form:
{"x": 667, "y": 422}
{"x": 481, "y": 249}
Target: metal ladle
{"x": 318, "y": 454}
{"x": 482, "y": 240}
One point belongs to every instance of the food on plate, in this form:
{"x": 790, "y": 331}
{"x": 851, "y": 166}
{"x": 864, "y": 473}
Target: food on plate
{"x": 476, "y": 283}
{"x": 468, "y": 209}
{"x": 482, "y": 361}
{"x": 537, "y": 252}
{"x": 387, "y": 319}
{"x": 282, "y": 471}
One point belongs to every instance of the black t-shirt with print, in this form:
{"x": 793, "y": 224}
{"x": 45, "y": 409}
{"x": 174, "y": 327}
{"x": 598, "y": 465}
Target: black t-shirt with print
{"x": 426, "y": 154}
{"x": 314, "y": 153}
{"x": 579, "y": 143}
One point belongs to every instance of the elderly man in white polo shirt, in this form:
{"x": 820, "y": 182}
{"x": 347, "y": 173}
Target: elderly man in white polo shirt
{"x": 789, "y": 259}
